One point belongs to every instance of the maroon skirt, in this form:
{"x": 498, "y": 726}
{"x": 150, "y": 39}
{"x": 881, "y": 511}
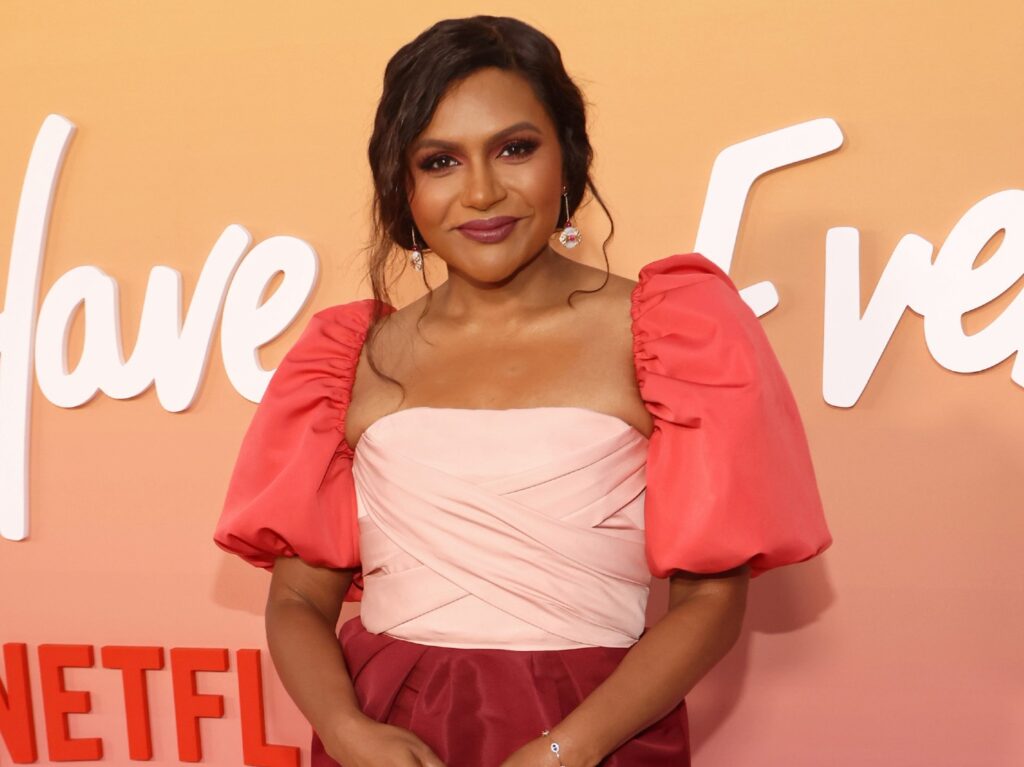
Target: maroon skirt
{"x": 474, "y": 707}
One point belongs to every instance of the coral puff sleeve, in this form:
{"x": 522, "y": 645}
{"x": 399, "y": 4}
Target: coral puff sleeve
{"x": 729, "y": 473}
{"x": 291, "y": 492}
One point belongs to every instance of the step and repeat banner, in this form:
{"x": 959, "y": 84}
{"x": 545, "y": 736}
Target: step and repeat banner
{"x": 855, "y": 166}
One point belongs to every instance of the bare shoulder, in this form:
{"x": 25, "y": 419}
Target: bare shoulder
{"x": 605, "y": 344}
{"x": 610, "y": 296}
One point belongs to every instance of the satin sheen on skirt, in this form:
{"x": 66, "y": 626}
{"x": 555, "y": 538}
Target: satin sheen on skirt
{"x": 475, "y": 707}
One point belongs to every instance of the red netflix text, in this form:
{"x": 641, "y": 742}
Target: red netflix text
{"x": 18, "y": 711}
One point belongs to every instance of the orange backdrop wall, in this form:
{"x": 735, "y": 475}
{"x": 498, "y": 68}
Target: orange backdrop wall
{"x": 900, "y": 646}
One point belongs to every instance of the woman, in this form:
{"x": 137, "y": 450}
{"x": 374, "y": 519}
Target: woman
{"x": 497, "y": 469}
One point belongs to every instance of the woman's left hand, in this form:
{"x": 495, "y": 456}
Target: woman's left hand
{"x": 536, "y": 753}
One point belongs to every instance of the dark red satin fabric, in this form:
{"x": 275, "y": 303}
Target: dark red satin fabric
{"x": 475, "y": 707}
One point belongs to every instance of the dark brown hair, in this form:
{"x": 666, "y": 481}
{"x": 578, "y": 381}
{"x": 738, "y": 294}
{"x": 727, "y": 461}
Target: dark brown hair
{"x": 415, "y": 80}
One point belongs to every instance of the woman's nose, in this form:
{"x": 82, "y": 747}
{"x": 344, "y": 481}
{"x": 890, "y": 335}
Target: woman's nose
{"x": 483, "y": 187}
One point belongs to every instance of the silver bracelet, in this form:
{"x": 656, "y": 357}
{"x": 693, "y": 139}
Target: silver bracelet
{"x": 555, "y": 748}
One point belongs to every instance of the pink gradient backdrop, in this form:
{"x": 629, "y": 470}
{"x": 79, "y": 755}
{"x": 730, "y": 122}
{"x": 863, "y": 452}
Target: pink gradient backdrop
{"x": 901, "y": 646}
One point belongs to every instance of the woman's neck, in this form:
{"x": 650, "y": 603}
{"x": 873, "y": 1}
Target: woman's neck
{"x": 535, "y": 286}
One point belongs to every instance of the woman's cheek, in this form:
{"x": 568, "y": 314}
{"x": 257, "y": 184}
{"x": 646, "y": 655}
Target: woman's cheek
{"x": 545, "y": 182}
{"x": 428, "y": 204}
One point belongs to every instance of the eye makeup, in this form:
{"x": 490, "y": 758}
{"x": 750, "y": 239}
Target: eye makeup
{"x": 524, "y": 146}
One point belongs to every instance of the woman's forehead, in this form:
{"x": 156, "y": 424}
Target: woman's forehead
{"x": 484, "y": 103}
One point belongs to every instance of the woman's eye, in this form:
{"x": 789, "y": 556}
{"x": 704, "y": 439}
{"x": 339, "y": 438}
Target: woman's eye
{"x": 523, "y": 147}
{"x": 431, "y": 162}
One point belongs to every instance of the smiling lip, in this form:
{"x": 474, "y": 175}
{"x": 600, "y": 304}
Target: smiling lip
{"x": 489, "y": 230}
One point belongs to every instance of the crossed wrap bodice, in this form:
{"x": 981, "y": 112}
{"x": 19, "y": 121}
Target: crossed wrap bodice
{"x": 514, "y": 529}
{"x": 529, "y": 528}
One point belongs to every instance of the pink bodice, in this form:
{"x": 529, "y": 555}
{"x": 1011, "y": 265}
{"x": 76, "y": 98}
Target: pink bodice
{"x": 515, "y": 529}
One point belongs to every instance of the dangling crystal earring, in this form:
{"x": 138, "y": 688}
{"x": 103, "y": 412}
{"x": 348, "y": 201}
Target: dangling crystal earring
{"x": 416, "y": 259}
{"x": 570, "y": 237}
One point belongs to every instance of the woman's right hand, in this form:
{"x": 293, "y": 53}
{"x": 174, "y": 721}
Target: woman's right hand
{"x": 373, "y": 744}
{"x": 302, "y": 617}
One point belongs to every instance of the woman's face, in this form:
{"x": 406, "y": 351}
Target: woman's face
{"x": 489, "y": 151}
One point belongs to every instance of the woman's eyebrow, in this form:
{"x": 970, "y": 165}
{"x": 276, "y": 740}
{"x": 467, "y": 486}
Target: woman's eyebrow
{"x": 452, "y": 145}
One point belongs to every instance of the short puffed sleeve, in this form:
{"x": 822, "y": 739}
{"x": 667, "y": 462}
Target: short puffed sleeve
{"x": 291, "y": 492}
{"x": 729, "y": 474}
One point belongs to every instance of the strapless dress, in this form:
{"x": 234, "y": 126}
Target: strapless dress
{"x": 504, "y": 576}
{"x": 503, "y": 557}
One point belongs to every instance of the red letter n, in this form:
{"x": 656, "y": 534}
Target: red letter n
{"x": 16, "y": 723}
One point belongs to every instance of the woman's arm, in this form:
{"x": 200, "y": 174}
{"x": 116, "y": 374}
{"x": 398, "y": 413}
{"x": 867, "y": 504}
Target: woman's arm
{"x": 703, "y": 623}
{"x": 302, "y": 613}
